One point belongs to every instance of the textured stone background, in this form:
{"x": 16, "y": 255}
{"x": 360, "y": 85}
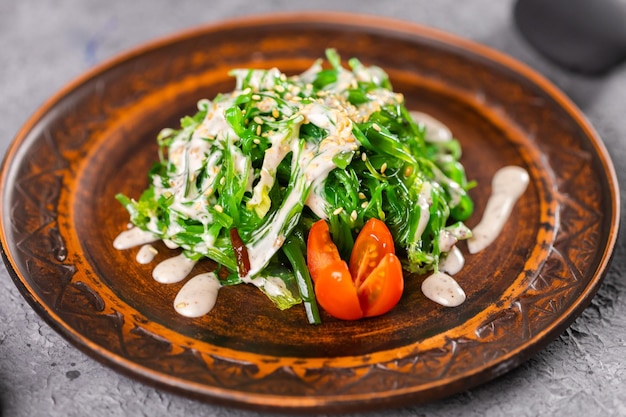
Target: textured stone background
{"x": 45, "y": 44}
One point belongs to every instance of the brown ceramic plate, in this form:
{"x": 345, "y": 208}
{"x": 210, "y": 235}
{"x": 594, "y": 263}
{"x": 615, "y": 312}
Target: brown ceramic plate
{"x": 95, "y": 138}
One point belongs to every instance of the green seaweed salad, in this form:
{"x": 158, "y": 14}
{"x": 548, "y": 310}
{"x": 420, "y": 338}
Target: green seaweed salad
{"x": 242, "y": 180}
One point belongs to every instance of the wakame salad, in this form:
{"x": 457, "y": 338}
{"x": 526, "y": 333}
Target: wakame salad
{"x": 243, "y": 180}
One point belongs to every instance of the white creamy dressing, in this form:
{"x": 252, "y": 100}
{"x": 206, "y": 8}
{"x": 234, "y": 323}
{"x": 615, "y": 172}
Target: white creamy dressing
{"x": 436, "y": 132}
{"x": 173, "y": 270}
{"x": 170, "y": 244}
{"x": 133, "y": 237}
{"x": 345, "y": 79}
{"x": 447, "y": 240}
{"x": 424, "y": 201}
{"x": 198, "y": 296}
{"x": 453, "y": 262}
{"x": 508, "y": 184}
{"x": 310, "y": 74}
{"x": 273, "y": 286}
{"x": 146, "y": 254}
{"x": 316, "y": 201}
{"x": 443, "y": 289}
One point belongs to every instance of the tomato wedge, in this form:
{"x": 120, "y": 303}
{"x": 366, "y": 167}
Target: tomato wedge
{"x": 383, "y": 287}
{"x": 336, "y": 293}
{"x": 321, "y": 251}
{"x": 371, "y": 245}
{"x": 372, "y": 284}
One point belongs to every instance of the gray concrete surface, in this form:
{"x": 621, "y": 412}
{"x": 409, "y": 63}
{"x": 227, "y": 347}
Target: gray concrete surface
{"x": 45, "y": 44}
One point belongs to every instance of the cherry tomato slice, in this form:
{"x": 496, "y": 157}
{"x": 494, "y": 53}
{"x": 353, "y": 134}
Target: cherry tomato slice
{"x": 372, "y": 244}
{"x": 382, "y": 289}
{"x": 321, "y": 251}
{"x": 336, "y": 293}
{"x": 373, "y": 283}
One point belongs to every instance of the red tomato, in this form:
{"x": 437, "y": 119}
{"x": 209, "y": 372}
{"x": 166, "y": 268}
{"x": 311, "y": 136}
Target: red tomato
{"x": 382, "y": 288}
{"x": 371, "y": 245}
{"x": 372, "y": 285}
{"x": 336, "y": 293}
{"x": 320, "y": 249}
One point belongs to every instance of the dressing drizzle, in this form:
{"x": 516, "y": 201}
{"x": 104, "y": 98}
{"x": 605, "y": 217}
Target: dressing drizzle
{"x": 508, "y": 184}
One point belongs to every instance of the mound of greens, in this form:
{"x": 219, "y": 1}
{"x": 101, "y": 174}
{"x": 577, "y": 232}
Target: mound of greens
{"x": 242, "y": 180}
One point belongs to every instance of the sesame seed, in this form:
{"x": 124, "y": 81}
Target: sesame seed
{"x": 279, "y": 241}
{"x": 258, "y": 120}
{"x": 376, "y": 127}
{"x": 279, "y": 88}
{"x": 275, "y": 113}
{"x": 362, "y": 196}
{"x": 383, "y": 168}
{"x": 338, "y": 211}
{"x": 246, "y": 91}
{"x": 257, "y": 140}
{"x": 353, "y": 215}
{"x": 258, "y": 130}
{"x": 363, "y": 157}
{"x": 218, "y": 208}
{"x": 222, "y": 180}
{"x": 365, "y": 204}
{"x": 256, "y": 97}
